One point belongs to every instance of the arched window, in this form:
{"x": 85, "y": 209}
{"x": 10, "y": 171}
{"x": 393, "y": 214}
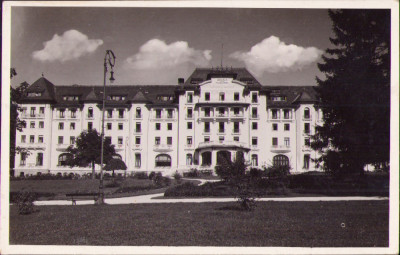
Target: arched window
{"x": 163, "y": 160}
{"x": 90, "y": 112}
{"x": 63, "y": 159}
{"x": 281, "y": 160}
{"x": 189, "y": 159}
{"x": 306, "y": 113}
{"x": 206, "y": 158}
{"x": 254, "y": 160}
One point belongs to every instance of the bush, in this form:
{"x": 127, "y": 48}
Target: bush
{"x": 24, "y": 202}
{"x": 131, "y": 189}
{"x": 158, "y": 180}
{"x": 141, "y": 176}
{"x": 255, "y": 172}
{"x": 152, "y": 175}
{"x": 277, "y": 172}
{"x": 112, "y": 184}
{"x": 192, "y": 173}
{"x": 178, "y": 177}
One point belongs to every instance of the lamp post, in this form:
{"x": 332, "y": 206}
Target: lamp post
{"x": 109, "y": 60}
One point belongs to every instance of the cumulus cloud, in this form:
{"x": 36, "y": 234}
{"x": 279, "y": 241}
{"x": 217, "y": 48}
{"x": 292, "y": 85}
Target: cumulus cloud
{"x": 156, "y": 54}
{"x": 70, "y": 45}
{"x": 272, "y": 55}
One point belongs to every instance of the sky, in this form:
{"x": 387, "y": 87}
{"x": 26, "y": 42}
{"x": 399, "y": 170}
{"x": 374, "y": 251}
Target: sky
{"x": 159, "y": 45}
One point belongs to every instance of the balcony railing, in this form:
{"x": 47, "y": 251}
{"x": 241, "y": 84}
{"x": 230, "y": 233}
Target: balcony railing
{"x": 236, "y": 130}
{"x": 206, "y": 130}
{"x": 138, "y": 130}
{"x": 221, "y": 130}
{"x": 26, "y": 115}
{"x": 254, "y": 116}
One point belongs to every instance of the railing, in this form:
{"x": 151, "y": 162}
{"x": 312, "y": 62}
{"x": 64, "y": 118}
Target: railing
{"x": 89, "y": 116}
{"x": 254, "y": 116}
{"x": 206, "y": 130}
{"x": 236, "y": 131}
{"x": 277, "y": 147}
{"x": 221, "y": 130}
{"x": 138, "y": 130}
{"x": 26, "y": 115}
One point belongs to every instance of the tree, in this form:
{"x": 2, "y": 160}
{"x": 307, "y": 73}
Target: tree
{"x": 355, "y": 94}
{"x": 87, "y": 150}
{"x": 16, "y": 94}
{"x": 115, "y": 164}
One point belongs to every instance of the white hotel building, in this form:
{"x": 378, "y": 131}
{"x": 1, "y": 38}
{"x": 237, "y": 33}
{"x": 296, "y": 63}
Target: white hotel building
{"x": 215, "y": 112}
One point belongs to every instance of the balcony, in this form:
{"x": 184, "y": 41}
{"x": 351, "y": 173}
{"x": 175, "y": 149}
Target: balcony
{"x": 89, "y": 116}
{"x": 236, "y": 131}
{"x": 163, "y": 147}
{"x": 306, "y": 117}
{"x": 280, "y": 148}
{"x": 138, "y": 131}
{"x": 254, "y": 116}
{"x": 222, "y": 144}
{"x": 138, "y": 116}
{"x": 28, "y": 116}
{"x": 189, "y": 116}
{"x": 221, "y": 130}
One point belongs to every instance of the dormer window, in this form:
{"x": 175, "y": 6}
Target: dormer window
{"x": 278, "y": 98}
{"x": 307, "y": 113}
{"x": 254, "y": 97}
{"x": 221, "y": 96}
{"x": 236, "y": 96}
{"x": 190, "y": 97}
{"x": 34, "y": 94}
{"x": 71, "y": 98}
{"x": 116, "y": 98}
{"x": 207, "y": 96}
{"x": 62, "y": 113}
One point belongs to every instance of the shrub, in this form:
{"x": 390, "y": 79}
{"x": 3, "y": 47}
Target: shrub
{"x": 255, "y": 172}
{"x": 24, "y": 202}
{"x": 167, "y": 181}
{"x": 277, "y": 172}
{"x": 141, "y": 175}
{"x": 208, "y": 172}
{"x": 192, "y": 173}
{"x": 152, "y": 175}
{"x": 178, "y": 177}
{"x": 158, "y": 180}
{"x": 112, "y": 184}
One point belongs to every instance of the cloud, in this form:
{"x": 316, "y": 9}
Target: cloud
{"x": 272, "y": 55}
{"x": 70, "y": 45}
{"x": 156, "y": 54}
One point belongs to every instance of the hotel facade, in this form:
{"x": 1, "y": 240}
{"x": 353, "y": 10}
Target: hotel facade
{"x": 215, "y": 113}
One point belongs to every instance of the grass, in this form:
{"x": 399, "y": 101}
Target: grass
{"x": 304, "y": 224}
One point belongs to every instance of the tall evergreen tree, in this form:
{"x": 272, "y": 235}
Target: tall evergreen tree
{"x": 355, "y": 93}
{"x": 87, "y": 150}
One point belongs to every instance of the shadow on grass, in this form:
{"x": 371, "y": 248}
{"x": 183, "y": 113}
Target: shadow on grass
{"x": 231, "y": 208}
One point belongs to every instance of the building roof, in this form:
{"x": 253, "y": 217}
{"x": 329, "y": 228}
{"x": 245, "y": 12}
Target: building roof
{"x": 291, "y": 95}
{"x": 40, "y": 90}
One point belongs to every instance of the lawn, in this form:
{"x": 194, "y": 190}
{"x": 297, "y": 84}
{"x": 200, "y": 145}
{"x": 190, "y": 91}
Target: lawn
{"x": 304, "y": 224}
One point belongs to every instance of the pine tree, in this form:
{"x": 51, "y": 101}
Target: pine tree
{"x": 355, "y": 94}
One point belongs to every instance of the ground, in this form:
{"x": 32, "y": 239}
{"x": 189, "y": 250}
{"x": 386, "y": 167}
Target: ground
{"x": 304, "y": 224}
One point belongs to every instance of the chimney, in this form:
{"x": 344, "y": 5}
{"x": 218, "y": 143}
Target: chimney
{"x": 181, "y": 81}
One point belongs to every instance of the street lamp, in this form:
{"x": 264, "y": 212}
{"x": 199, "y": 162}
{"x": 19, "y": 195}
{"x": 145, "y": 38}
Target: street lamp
{"x": 109, "y": 60}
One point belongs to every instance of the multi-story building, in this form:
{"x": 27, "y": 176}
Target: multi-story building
{"x": 214, "y": 113}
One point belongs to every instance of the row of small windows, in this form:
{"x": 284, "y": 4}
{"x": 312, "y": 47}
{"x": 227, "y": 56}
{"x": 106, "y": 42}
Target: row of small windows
{"x": 158, "y": 126}
{"x": 32, "y": 111}
{"x": 236, "y": 97}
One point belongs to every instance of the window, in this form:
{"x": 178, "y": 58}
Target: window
{"x": 72, "y": 140}
{"x": 254, "y": 125}
{"x": 157, "y": 140}
{"x": 236, "y": 111}
{"x": 108, "y": 140}
{"x": 137, "y": 140}
{"x": 72, "y": 126}
{"x": 121, "y": 113}
{"x": 109, "y": 113}
{"x": 189, "y": 140}
{"x": 163, "y": 160}
{"x": 221, "y": 139}
{"x": 286, "y": 141}
{"x": 120, "y": 126}
{"x": 62, "y": 113}
{"x": 63, "y": 158}
{"x": 274, "y": 141}
{"x": 169, "y": 140}
{"x": 120, "y": 140}
{"x": 158, "y": 113}
{"x": 306, "y": 161}
{"x": 90, "y": 112}
{"x": 189, "y": 112}
{"x": 221, "y": 111}
{"x": 138, "y": 127}
{"x": 32, "y": 139}
{"x": 41, "y": 124}
{"x": 40, "y": 139}
{"x": 236, "y": 138}
{"x": 23, "y": 138}
{"x": 39, "y": 159}
{"x": 189, "y": 125}
{"x": 286, "y": 127}
{"x": 280, "y": 160}
{"x": 306, "y": 113}
{"x": 307, "y": 142}
{"x": 109, "y": 126}
{"x": 190, "y": 97}
{"x": 189, "y": 159}
{"x": 41, "y": 110}
{"x": 170, "y": 113}
{"x": 206, "y": 127}
{"x": 254, "y": 141}
{"x": 235, "y": 127}
{"x": 221, "y": 96}
{"x": 307, "y": 128}
{"x": 254, "y": 113}
{"x": 221, "y": 127}
{"x": 274, "y": 127}
{"x": 206, "y": 139}
{"x": 236, "y": 96}
{"x": 23, "y": 159}
{"x": 207, "y": 112}
{"x": 254, "y": 98}
{"x": 138, "y": 112}
{"x": 207, "y": 96}
{"x": 73, "y": 113}
{"x": 274, "y": 114}
{"x": 254, "y": 160}
{"x": 90, "y": 125}
{"x": 158, "y": 126}
{"x": 32, "y": 124}
{"x": 169, "y": 126}
{"x": 61, "y": 126}
{"x": 33, "y": 109}
{"x": 286, "y": 114}
{"x": 60, "y": 139}
{"x": 138, "y": 160}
